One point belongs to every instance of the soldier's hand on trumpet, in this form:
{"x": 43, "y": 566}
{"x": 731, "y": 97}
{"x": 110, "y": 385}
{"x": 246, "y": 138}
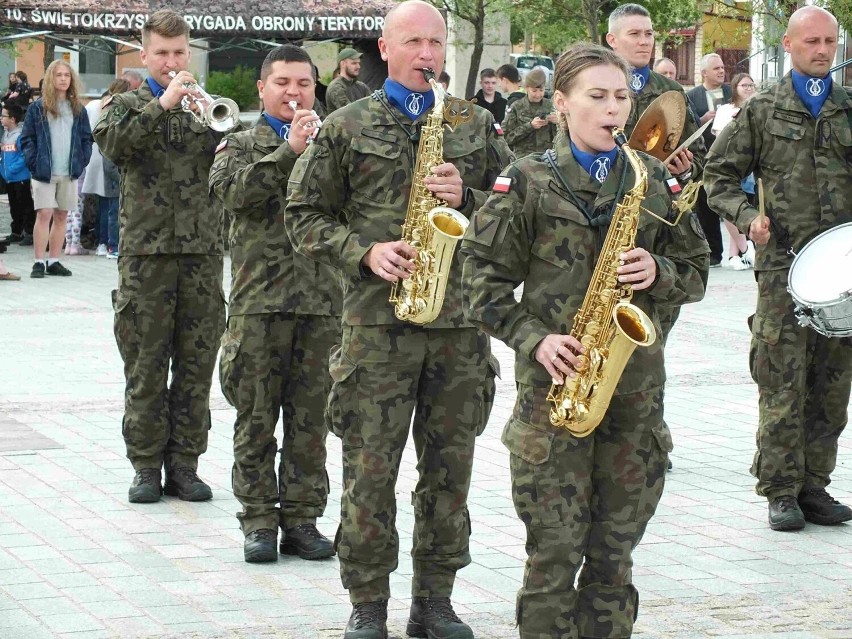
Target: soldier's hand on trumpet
{"x": 180, "y": 86}
{"x": 391, "y": 260}
{"x": 446, "y": 183}
{"x": 637, "y": 268}
{"x": 559, "y": 354}
{"x": 303, "y": 128}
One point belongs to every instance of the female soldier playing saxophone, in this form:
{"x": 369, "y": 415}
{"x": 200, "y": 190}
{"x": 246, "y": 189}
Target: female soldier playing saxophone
{"x": 585, "y": 500}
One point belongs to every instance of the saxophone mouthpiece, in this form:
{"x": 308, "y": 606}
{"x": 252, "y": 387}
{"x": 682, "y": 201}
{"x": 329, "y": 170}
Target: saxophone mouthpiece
{"x": 429, "y": 74}
{"x": 618, "y": 136}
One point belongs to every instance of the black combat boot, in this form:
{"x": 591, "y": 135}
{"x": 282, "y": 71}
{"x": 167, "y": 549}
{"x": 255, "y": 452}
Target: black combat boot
{"x": 785, "y": 514}
{"x": 368, "y": 621}
{"x": 434, "y": 618}
{"x": 145, "y": 488}
{"x": 307, "y": 542}
{"x": 260, "y": 547}
{"x": 187, "y": 485}
{"x": 821, "y": 508}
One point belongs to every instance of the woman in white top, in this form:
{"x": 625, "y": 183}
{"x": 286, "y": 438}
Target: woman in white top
{"x": 740, "y": 249}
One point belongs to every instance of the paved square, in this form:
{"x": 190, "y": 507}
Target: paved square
{"x": 77, "y": 560}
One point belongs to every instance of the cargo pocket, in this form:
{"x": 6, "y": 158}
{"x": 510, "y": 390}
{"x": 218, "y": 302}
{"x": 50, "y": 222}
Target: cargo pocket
{"x": 766, "y": 359}
{"x": 655, "y": 475}
{"x": 487, "y": 393}
{"x": 228, "y": 375}
{"x": 530, "y": 449}
{"x": 124, "y": 326}
{"x": 342, "y": 406}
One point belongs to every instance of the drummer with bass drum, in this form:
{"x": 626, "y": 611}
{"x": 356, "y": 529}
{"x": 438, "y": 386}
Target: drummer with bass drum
{"x": 795, "y": 137}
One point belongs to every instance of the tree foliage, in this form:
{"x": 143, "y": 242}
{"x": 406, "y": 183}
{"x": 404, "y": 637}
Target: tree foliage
{"x": 558, "y": 23}
{"x": 474, "y": 13}
{"x": 240, "y": 85}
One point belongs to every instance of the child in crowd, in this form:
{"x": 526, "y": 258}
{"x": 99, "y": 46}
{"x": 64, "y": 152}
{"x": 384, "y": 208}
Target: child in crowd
{"x": 13, "y": 169}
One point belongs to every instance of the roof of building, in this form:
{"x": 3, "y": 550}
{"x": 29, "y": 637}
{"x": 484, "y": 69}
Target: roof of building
{"x": 287, "y": 19}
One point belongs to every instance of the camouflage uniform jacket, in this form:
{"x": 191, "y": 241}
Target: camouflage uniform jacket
{"x": 656, "y": 86}
{"x": 342, "y": 92}
{"x": 536, "y": 235}
{"x": 164, "y": 158}
{"x": 805, "y": 165}
{"x": 520, "y": 134}
{"x": 350, "y": 190}
{"x": 249, "y": 176}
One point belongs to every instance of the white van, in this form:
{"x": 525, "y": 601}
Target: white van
{"x": 526, "y": 62}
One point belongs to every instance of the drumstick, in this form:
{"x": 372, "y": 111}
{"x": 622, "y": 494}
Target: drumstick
{"x": 761, "y": 207}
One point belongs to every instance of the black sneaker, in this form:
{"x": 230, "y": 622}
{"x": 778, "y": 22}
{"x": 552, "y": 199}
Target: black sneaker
{"x": 27, "y": 240}
{"x": 434, "y": 617}
{"x": 187, "y": 485}
{"x": 818, "y": 507}
{"x": 259, "y": 546}
{"x": 145, "y": 488}
{"x": 368, "y": 621}
{"x": 307, "y": 542}
{"x": 38, "y": 270}
{"x": 57, "y": 269}
{"x": 13, "y": 238}
{"x": 785, "y": 514}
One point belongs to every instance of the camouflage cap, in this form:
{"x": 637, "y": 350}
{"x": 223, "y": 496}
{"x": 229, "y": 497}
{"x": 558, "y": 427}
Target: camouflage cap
{"x": 348, "y": 54}
{"x": 535, "y": 79}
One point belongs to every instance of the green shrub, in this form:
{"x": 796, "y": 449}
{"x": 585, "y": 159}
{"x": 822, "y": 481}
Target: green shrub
{"x": 240, "y": 85}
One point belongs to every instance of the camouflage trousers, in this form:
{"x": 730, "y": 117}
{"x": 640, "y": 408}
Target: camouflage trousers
{"x": 168, "y": 309}
{"x": 585, "y": 503}
{"x": 382, "y": 376}
{"x": 277, "y": 364}
{"x": 804, "y": 383}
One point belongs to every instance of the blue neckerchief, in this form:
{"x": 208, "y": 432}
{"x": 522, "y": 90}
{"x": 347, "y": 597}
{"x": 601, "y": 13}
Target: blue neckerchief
{"x": 281, "y": 127}
{"x": 155, "y": 87}
{"x": 597, "y": 165}
{"x": 639, "y": 78}
{"x": 411, "y": 103}
{"x": 813, "y": 92}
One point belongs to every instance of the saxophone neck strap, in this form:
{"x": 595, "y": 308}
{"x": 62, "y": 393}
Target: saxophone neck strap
{"x": 595, "y": 218}
{"x": 412, "y": 132}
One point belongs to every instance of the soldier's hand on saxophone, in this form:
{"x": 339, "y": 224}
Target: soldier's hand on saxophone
{"x": 638, "y": 268}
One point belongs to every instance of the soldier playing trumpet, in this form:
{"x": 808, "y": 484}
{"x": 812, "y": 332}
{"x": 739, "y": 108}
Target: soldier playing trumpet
{"x": 284, "y": 317}
{"x": 169, "y": 307}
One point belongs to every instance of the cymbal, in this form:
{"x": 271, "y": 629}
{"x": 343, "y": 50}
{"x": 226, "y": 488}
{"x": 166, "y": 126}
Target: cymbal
{"x": 659, "y": 128}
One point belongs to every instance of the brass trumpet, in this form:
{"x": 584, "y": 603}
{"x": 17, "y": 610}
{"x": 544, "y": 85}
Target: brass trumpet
{"x": 219, "y": 114}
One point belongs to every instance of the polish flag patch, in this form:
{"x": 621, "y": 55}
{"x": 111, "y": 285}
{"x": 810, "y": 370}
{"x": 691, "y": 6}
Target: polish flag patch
{"x": 222, "y": 145}
{"x": 502, "y": 184}
{"x": 674, "y": 186}
{"x": 498, "y": 128}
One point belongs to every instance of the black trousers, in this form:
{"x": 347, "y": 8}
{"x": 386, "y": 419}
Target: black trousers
{"x": 711, "y": 225}
{"x": 21, "y": 207}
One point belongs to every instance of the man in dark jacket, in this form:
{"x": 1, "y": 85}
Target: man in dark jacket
{"x": 704, "y": 99}
{"x": 488, "y": 97}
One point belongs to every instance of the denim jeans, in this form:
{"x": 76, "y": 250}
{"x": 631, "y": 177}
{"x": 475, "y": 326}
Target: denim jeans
{"x": 108, "y": 222}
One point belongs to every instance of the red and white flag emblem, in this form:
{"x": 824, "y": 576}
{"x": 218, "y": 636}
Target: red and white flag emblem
{"x": 498, "y": 128}
{"x": 674, "y": 186}
{"x": 502, "y": 184}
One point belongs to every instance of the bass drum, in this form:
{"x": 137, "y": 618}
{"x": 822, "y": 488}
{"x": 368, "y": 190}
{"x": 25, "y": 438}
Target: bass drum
{"x": 820, "y": 282}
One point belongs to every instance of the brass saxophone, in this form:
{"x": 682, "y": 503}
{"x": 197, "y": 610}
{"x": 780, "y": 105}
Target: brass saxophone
{"x": 431, "y": 227}
{"x": 607, "y": 325}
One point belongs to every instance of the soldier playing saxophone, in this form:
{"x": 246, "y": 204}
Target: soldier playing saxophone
{"x": 348, "y": 196}
{"x": 585, "y": 501}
